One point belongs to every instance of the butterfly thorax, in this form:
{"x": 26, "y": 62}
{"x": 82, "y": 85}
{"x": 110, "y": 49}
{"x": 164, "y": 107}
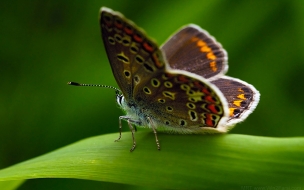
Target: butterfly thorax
{"x": 135, "y": 114}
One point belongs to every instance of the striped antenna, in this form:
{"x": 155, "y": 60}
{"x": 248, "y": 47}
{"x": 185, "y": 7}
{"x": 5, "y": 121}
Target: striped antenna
{"x": 95, "y": 85}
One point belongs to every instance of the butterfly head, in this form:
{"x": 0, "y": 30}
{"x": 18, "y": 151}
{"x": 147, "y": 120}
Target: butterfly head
{"x": 119, "y": 98}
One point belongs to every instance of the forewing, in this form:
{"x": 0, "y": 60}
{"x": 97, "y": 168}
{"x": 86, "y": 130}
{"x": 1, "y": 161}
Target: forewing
{"x": 132, "y": 55}
{"x": 195, "y": 50}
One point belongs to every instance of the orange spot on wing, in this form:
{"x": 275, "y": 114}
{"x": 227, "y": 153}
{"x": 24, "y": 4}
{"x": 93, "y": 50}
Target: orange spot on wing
{"x": 211, "y": 56}
{"x": 198, "y": 84}
{"x": 148, "y": 47}
{"x": 201, "y": 43}
{"x": 237, "y": 102}
{"x": 128, "y": 31}
{"x": 157, "y": 63}
{"x": 182, "y": 78}
{"x": 194, "y": 39}
{"x": 231, "y": 110}
{"x": 211, "y": 107}
{"x": 213, "y": 66}
{"x": 241, "y": 96}
{"x": 205, "y": 49}
{"x": 167, "y": 75}
{"x": 118, "y": 25}
{"x": 209, "y": 120}
{"x": 108, "y": 23}
{"x": 137, "y": 38}
{"x": 240, "y": 90}
{"x": 206, "y": 91}
{"x": 209, "y": 99}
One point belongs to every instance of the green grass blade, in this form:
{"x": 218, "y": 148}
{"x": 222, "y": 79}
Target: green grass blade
{"x": 184, "y": 162}
{"x": 11, "y": 185}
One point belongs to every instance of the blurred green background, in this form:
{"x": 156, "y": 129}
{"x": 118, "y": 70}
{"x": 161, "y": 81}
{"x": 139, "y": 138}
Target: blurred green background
{"x": 45, "y": 44}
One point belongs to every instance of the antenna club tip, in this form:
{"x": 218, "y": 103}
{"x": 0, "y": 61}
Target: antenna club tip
{"x": 74, "y": 83}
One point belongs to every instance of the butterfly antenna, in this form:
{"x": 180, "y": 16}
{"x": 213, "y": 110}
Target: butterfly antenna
{"x": 95, "y": 85}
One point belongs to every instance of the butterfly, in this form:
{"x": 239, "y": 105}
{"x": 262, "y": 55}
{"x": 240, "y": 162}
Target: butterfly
{"x": 179, "y": 87}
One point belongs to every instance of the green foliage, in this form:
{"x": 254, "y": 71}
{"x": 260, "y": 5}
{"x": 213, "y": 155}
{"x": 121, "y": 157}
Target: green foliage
{"x": 185, "y": 161}
{"x": 45, "y": 44}
{"x": 7, "y": 185}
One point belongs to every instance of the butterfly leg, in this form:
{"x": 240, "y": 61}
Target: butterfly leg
{"x": 132, "y": 131}
{"x": 155, "y": 133}
{"x": 120, "y": 127}
{"x": 131, "y": 128}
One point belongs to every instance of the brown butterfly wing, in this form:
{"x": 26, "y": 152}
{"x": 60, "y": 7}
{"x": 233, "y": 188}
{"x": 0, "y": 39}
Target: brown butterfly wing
{"x": 131, "y": 54}
{"x": 183, "y": 102}
{"x": 195, "y": 50}
{"x": 242, "y": 97}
